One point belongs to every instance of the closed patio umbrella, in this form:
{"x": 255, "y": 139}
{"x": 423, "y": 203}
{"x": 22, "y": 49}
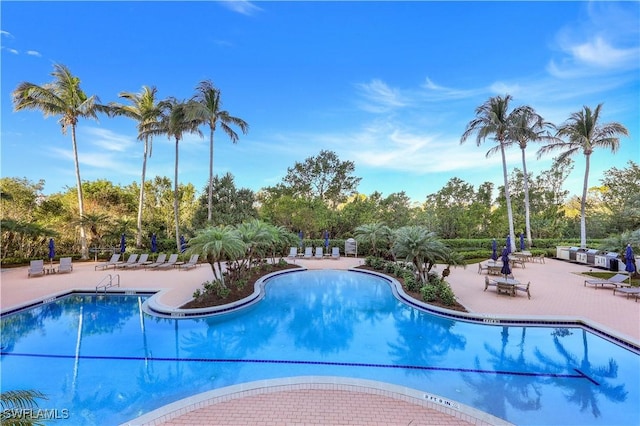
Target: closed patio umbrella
{"x": 506, "y": 269}
{"x": 301, "y": 236}
{"x": 52, "y": 250}
{"x": 183, "y": 244}
{"x": 154, "y": 243}
{"x": 521, "y": 242}
{"x": 123, "y": 244}
{"x": 494, "y": 250}
{"x": 629, "y": 260}
{"x": 508, "y": 244}
{"x": 326, "y": 240}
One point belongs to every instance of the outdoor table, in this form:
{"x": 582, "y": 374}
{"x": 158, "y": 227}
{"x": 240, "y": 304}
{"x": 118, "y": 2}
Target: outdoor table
{"x": 49, "y": 270}
{"x": 517, "y": 260}
{"x": 494, "y": 269}
{"x": 178, "y": 265}
{"x": 506, "y": 285}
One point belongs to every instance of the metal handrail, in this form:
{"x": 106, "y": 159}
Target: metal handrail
{"x": 110, "y": 283}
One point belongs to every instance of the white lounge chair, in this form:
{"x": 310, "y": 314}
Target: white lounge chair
{"x": 65, "y": 265}
{"x": 130, "y": 261}
{"x": 293, "y": 253}
{"x": 112, "y": 262}
{"x": 319, "y": 253}
{"x": 142, "y": 261}
{"x": 616, "y": 280}
{"x": 36, "y": 267}
{"x": 335, "y": 253}
{"x": 308, "y": 252}
{"x": 192, "y": 263}
{"x": 169, "y": 263}
{"x": 159, "y": 261}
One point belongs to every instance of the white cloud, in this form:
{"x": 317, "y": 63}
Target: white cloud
{"x": 380, "y": 97}
{"x": 6, "y": 34}
{"x": 107, "y": 140}
{"x": 241, "y": 6}
{"x": 600, "y": 53}
{"x": 33, "y": 53}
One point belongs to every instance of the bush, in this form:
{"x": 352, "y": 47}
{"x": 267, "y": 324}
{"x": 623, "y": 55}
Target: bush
{"x": 429, "y": 293}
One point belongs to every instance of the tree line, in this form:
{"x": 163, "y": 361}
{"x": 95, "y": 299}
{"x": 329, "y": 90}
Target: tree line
{"x": 318, "y": 194}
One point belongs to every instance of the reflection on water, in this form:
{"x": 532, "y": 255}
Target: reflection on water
{"x": 107, "y": 362}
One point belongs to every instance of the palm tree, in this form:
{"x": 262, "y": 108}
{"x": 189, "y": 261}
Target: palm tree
{"x": 375, "y": 234}
{"x": 144, "y": 109}
{"x": 217, "y": 244}
{"x": 174, "y": 122}
{"x": 62, "y": 97}
{"x": 419, "y": 246}
{"x": 14, "y": 403}
{"x": 208, "y": 111}
{"x": 584, "y": 132}
{"x": 492, "y": 119}
{"x": 527, "y": 126}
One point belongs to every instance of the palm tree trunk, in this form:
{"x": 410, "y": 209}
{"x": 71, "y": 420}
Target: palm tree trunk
{"x": 210, "y": 196}
{"x": 527, "y": 214}
{"x": 175, "y": 199}
{"x": 141, "y": 198}
{"x": 84, "y": 250}
{"x": 583, "y": 204}
{"x": 507, "y": 197}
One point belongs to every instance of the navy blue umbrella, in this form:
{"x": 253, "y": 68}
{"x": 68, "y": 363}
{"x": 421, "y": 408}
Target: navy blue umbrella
{"x": 629, "y": 260}
{"x": 521, "y": 242}
{"x": 326, "y": 239}
{"x": 183, "y": 244}
{"x": 52, "y": 249}
{"x": 508, "y": 244}
{"x": 301, "y": 236}
{"x": 494, "y": 250}
{"x": 123, "y": 244}
{"x": 154, "y": 243}
{"x": 506, "y": 269}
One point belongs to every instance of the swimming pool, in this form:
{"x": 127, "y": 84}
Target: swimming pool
{"x": 106, "y": 361}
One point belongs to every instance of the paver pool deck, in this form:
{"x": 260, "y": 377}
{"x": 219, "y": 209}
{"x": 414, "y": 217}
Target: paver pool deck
{"x": 557, "y": 291}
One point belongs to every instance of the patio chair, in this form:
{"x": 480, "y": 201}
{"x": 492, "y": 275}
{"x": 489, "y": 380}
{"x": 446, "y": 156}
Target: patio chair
{"x": 308, "y": 252}
{"x": 489, "y": 283}
{"x": 142, "y": 261}
{"x": 192, "y": 263}
{"x": 159, "y": 261}
{"x": 319, "y": 253}
{"x": 130, "y": 261}
{"x": 335, "y": 253}
{"x": 112, "y": 262}
{"x": 482, "y": 268}
{"x": 36, "y": 267}
{"x": 524, "y": 288}
{"x": 293, "y": 252}
{"x": 169, "y": 263}
{"x": 65, "y": 265}
{"x": 616, "y": 280}
{"x": 629, "y": 291}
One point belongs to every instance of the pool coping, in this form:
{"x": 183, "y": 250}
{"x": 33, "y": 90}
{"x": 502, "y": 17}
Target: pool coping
{"x": 332, "y": 383}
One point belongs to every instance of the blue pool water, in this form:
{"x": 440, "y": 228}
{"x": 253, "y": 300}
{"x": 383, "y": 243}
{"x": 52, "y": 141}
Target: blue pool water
{"x": 104, "y": 360}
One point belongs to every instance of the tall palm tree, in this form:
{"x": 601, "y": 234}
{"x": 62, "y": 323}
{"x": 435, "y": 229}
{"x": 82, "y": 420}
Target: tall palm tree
{"x": 585, "y": 133}
{"x": 62, "y": 97}
{"x": 527, "y": 126}
{"x": 492, "y": 118}
{"x": 144, "y": 109}
{"x": 208, "y": 111}
{"x": 175, "y": 121}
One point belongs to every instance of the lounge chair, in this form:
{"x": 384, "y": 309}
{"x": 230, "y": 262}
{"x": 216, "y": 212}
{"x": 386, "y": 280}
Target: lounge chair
{"x": 192, "y": 263}
{"x": 36, "y": 267}
{"x": 142, "y": 261}
{"x": 335, "y": 253}
{"x": 629, "y": 291}
{"x": 169, "y": 263}
{"x": 489, "y": 283}
{"x": 616, "y": 280}
{"x": 308, "y": 252}
{"x": 130, "y": 261}
{"x": 319, "y": 253}
{"x": 524, "y": 288}
{"x": 65, "y": 265}
{"x": 159, "y": 261}
{"x": 293, "y": 252}
{"x": 112, "y": 262}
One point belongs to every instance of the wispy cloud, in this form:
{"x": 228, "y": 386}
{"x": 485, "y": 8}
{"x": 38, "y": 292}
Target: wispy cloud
{"x": 108, "y": 141}
{"x": 33, "y": 53}
{"x": 6, "y": 34}
{"x": 241, "y": 6}
{"x": 380, "y": 97}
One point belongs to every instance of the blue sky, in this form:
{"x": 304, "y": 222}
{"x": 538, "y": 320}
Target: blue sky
{"x": 387, "y": 85}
